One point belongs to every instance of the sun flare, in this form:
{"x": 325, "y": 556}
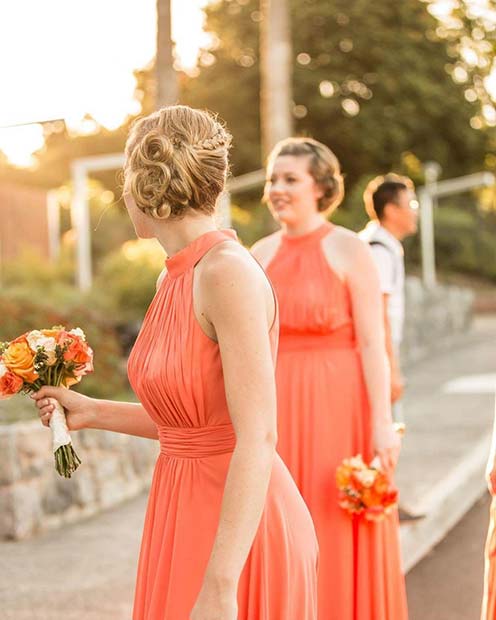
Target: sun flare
{"x": 65, "y": 63}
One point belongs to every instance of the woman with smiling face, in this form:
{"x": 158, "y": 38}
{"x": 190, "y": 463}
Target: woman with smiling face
{"x": 332, "y": 377}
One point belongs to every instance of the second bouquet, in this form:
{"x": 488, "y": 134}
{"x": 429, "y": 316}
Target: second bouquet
{"x": 56, "y": 357}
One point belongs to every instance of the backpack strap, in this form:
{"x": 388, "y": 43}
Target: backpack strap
{"x": 395, "y": 271}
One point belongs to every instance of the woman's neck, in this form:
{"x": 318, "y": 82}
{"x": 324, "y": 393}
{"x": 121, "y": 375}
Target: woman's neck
{"x": 175, "y": 234}
{"x": 295, "y": 229}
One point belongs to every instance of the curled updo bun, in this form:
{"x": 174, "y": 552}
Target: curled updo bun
{"x": 176, "y": 159}
{"x": 323, "y": 166}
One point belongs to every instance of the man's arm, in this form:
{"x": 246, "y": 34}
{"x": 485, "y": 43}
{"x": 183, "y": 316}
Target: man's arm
{"x": 385, "y": 267}
{"x": 397, "y": 383}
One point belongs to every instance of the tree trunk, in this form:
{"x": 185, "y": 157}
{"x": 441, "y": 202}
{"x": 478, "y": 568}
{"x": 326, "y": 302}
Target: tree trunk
{"x": 276, "y": 71}
{"x": 166, "y": 77}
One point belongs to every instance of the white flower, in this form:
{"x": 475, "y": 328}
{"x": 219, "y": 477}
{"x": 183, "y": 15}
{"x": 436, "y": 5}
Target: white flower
{"x": 355, "y": 462}
{"x": 33, "y": 338}
{"x": 3, "y": 370}
{"x": 366, "y": 477}
{"x": 77, "y": 331}
{"x": 36, "y": 339}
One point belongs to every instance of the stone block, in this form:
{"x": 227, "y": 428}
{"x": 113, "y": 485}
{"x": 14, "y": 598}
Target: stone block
{"x": 10, "y": 470}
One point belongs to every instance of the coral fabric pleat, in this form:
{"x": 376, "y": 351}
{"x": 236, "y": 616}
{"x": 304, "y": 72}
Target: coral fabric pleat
{"x": 323, "y": 417}
{"x": 176, "y": 371}
{"x": 489, "y": 600}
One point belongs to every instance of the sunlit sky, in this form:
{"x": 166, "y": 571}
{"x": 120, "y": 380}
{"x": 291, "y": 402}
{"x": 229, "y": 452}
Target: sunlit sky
{"x": 66, "y": 58}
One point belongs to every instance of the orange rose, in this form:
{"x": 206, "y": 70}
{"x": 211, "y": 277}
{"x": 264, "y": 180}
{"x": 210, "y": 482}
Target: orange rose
{"x": 68, "y": 381}
{"x": 18, "y": 358}
{"x": 381, "y": 484}
{"x": 10, "y": 384}
{"x": 78, "y": 352}
{"x": 343, "y": 475}
{"x": 52, "y": 333}
{"x": 371, "y": 498}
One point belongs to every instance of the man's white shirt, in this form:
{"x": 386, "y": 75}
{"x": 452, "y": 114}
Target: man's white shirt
{"x": 389, "y": 258}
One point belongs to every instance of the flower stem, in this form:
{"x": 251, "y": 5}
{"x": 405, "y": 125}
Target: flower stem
{"x": 66, "y": 460}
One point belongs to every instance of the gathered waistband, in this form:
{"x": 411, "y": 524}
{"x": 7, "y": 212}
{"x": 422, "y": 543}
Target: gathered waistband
{"x": 342, "y": 338}
{"x": 195, "y": 443}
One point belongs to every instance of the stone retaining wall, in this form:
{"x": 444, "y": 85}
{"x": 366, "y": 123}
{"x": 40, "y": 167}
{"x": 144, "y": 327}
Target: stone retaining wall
{"x": 34, "y": 498}
{"x": 434, "y": 319}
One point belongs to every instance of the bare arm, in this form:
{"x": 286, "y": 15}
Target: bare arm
{"x": 121, "y": 417}
{"x": 491, "y": 463}
{"x": 84, "y": 412}
{"x": 396, "y": 378}
{"x": 237, "y": 302}
{"x": 265, "y": 249}
{"x": 368, "y": 316}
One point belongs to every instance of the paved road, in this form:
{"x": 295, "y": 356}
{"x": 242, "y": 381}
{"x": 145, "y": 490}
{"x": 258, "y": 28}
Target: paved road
{"x": 447, "y": 584}
{"x": 92, "y": 567}
{"x": 84, "y": 572}
{"x": 89, "y": 584}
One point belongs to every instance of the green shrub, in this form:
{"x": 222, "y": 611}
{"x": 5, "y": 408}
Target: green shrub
{"x": 126, "y": 281}
{"x": 22, "y": 311}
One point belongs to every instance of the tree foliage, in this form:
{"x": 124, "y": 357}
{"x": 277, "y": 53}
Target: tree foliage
{"x": 370, "y": 80}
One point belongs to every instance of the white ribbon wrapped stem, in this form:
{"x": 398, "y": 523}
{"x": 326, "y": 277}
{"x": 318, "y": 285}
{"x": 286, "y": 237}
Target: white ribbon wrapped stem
{"x": 58, "y": 426}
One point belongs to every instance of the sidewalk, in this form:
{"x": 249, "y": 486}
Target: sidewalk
{"x": 86, "y": 571}
{"x": 449, "y": 409}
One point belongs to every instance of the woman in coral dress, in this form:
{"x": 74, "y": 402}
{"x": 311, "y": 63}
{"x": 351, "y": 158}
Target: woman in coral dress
{"x": 332, "y": 378}
{"x": 489, "y": 597}
{"x": 227, "y": 535}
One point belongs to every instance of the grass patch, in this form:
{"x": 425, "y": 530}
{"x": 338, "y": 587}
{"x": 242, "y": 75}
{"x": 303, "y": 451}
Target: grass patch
{"x": 19, "y": 408}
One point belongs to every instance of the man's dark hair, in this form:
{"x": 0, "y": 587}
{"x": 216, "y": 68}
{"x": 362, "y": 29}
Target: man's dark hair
{"x": 380, "y": 196}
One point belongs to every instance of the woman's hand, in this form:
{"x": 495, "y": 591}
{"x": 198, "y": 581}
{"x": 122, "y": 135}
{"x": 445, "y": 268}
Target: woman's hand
{"x": 387, "y": 444}
{"x": 80, "y": 410}
{"x": 215, "y": 603}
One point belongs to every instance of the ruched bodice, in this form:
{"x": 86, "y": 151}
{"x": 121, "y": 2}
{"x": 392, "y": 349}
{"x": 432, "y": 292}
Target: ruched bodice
{"x": 318, "y": 303}
{"x": 176, "y": 371}
{"x": 176, "y": 392}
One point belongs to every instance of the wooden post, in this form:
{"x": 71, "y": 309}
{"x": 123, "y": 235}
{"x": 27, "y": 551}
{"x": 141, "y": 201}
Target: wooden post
{"x": 166, "y": 76}
{"x": 80, "y": 218}
{"x": 276, "y": 68}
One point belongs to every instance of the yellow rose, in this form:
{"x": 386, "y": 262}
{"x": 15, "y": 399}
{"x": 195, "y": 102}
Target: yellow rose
{"x": 19, "y": 359}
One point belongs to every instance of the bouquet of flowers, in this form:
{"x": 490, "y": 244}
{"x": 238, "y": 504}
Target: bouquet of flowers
{"x": 47, "y": 357}
{"x": 365, "y": 489}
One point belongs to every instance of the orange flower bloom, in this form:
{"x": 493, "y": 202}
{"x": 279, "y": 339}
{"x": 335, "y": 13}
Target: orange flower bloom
{"x": 10, "y": 384}
{"x": 18, "y": 358}
{"x": 343, "y": 476}
{"x": 78, "y": 352}
{"x": 370, "y": 498}
{"x": 364, "y": 489}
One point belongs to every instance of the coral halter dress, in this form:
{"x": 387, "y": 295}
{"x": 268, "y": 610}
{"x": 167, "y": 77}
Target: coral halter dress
{"x": 324, "y": 417}
{"x": 176, "y": 371}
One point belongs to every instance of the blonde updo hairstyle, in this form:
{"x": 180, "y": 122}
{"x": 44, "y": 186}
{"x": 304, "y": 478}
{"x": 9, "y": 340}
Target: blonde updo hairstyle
{"x": 176, "y": 159}
{"x": 323, "y": 166}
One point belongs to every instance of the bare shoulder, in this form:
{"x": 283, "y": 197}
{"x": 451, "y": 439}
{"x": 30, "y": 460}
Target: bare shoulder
{"x": 345, "y": 251}
{"x": 229, "y": 267}
{"x": 346, "y": 241}
{"x": 265, "y": 249}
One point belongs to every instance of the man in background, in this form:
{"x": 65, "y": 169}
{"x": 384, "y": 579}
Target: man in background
{"x": 392, "y": 208}
{"x": 393, "y": 211}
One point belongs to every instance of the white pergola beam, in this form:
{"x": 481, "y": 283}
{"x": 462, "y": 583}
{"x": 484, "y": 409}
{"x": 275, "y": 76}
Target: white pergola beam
{"x": 460, "y": 184}
{"x": 427, "y": 195}
{"x": 80, "y": 212}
